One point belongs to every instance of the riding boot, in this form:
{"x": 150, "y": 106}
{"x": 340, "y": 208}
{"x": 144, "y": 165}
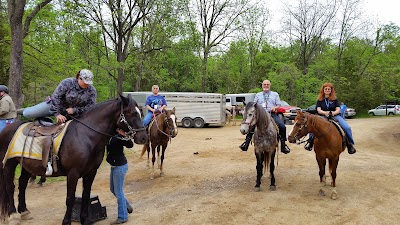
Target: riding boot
{"x": 350, "y": 147}
{"x": 284, "y": 148}
{"x": 246, "y": 143}
{"x": 310, "y": 144}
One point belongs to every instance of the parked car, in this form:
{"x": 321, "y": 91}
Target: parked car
{"x": 284, "y": 112}
{"x": 383, "y": 110}
{"x": 350, "y": 112}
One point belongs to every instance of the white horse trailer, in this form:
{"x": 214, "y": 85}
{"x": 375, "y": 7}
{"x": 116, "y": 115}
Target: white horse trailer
{"x": 192, "y": 109}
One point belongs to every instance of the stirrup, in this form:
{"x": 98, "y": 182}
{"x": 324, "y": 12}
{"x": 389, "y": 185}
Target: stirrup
{"x": 285, "y": 149}
{"x": 49, "y": 170}
{"x": 308, "y": 146}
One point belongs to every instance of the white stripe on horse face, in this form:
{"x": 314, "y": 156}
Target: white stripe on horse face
{"x": 173, "y": 117}
{"x": 137, "y": 109}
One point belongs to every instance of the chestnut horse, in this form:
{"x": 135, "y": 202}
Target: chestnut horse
{"x": 162, "y": 129}
{"x": 328, "y": 144}
{"x": 80, "y": 155}
{"x": 265, "y": 140}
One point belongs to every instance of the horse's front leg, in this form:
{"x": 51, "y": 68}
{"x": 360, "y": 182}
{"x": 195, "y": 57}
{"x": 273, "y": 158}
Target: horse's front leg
{"x": 153, "y": 160}
{"x": 87, "y": 187}
{"x": 332, "y": 167}
{"x": 72, "y": 180}
{"x": 272, "y": 186}
{"x": 259, "y": 168}
{"x": 158, "y": 156}
{"x": 22, "y": 184}
{"x": 322, "y": 178}
{"x": 162, "y": 158}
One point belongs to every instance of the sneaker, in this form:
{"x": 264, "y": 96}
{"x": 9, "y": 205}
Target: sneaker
{"x": 118, "y": 221}
{"x": 129, "y": 208}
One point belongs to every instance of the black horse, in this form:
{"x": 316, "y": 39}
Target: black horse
{"x": 80, "y": 155}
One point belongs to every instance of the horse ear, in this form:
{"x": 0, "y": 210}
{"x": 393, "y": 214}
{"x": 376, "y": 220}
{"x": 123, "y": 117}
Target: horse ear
{"x": 173, "y": 110}
{"x": 125, "y": 101}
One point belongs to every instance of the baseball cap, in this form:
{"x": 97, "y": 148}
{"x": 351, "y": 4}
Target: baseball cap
{"x": 86, "y": 76}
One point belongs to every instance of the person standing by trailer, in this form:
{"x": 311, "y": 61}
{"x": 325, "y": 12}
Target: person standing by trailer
{"x": 8, "y": 112}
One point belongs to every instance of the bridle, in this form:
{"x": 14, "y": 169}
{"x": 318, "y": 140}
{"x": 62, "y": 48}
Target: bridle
{"x": 252, "y": 119}
{"x": 304, "y": 125}
{"x": 166, "y": 119}
{"x": 129, "y": 135}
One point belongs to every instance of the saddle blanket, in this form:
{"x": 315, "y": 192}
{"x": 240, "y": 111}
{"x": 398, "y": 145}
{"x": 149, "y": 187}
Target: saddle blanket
{"x": 31, "y": 147}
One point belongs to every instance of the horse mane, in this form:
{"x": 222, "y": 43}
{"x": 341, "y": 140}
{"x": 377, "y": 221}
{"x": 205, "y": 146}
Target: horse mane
{"x": 263, "y": 118}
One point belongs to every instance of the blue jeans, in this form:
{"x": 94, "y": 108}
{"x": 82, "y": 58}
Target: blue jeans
{"x": 117, "y": 178}
{"x": 281, "y": 126}
{"x": 4, "y": 123}
{"x": 147, "y": 118}
{"x": 40, "y": 110}
{"x": 345, "y": 126}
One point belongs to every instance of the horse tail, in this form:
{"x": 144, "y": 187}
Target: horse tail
{"x": 144, "y": 150}
{"x": 267, "y": 161}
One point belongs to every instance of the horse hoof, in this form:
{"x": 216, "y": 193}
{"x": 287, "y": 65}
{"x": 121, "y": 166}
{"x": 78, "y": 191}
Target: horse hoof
{"x": 272, "y": 188}
{"x": 334, "y": 195}
{"x": 257, "y": 189}
{"x": 162, "y": 174}
{"x": 39, "y": 185}
{"x": 26, "y": 215}
{"x": 321, "y": 193}
{"x": 15, "y": 219}
{"x": 151, "y": 177}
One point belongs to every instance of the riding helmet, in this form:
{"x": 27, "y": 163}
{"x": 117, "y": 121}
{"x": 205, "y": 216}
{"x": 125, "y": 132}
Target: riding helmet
{"x": 4, "y": 88}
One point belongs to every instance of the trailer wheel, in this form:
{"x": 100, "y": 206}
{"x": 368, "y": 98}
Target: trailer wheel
{"x": 187, "y": 122}
{"x": 198, "y": 122}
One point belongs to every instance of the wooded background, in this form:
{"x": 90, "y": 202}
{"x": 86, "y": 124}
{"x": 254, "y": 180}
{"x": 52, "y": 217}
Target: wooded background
{"x": 223, "y": 46}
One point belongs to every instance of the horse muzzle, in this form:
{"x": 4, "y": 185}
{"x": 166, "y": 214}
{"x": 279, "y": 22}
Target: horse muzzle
{"x": 141, "y": 137}
{"x": 292, "y": 139}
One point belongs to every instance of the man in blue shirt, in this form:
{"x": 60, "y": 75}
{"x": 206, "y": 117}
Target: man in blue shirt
{"x": 271, "y": 103}
{"x": 154, "y": 103}
{"x": 343, "y": 108}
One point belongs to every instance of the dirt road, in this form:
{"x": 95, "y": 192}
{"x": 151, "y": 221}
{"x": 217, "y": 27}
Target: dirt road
{"x": 215, "y": 186}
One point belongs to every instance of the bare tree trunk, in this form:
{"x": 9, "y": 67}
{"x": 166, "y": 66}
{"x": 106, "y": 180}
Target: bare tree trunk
{"x": 19, "y": 31}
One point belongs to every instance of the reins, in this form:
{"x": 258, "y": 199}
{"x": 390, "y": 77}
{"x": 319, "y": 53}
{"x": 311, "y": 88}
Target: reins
{"x": 129, "y": 135}
{"x": 158, "y": 128}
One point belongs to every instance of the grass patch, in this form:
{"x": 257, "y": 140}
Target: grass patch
{"x": 48, "y": 179}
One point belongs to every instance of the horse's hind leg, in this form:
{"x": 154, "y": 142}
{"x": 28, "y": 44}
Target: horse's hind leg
{"x": 22, "y": 184}
{"x": 7, "y": 201}
{"x": 259, "y": 168}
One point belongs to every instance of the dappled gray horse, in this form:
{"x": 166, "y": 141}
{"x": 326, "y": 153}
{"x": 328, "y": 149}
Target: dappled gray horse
{"x": 265, "y": 139}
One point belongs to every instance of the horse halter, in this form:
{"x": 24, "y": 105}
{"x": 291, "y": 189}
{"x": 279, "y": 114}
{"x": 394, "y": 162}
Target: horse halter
{"x": 166, "y": 119}
{"x": 302, "y": 125}
{"x": 252, "y": 119}
{"x": 131, "y": 133}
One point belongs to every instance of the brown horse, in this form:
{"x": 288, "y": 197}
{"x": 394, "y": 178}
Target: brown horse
{"x": 162, "y": 129}
{"x": 265, "y": 140}
{"x": 80, "y": 155}
{"x": 328, "y": 144}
